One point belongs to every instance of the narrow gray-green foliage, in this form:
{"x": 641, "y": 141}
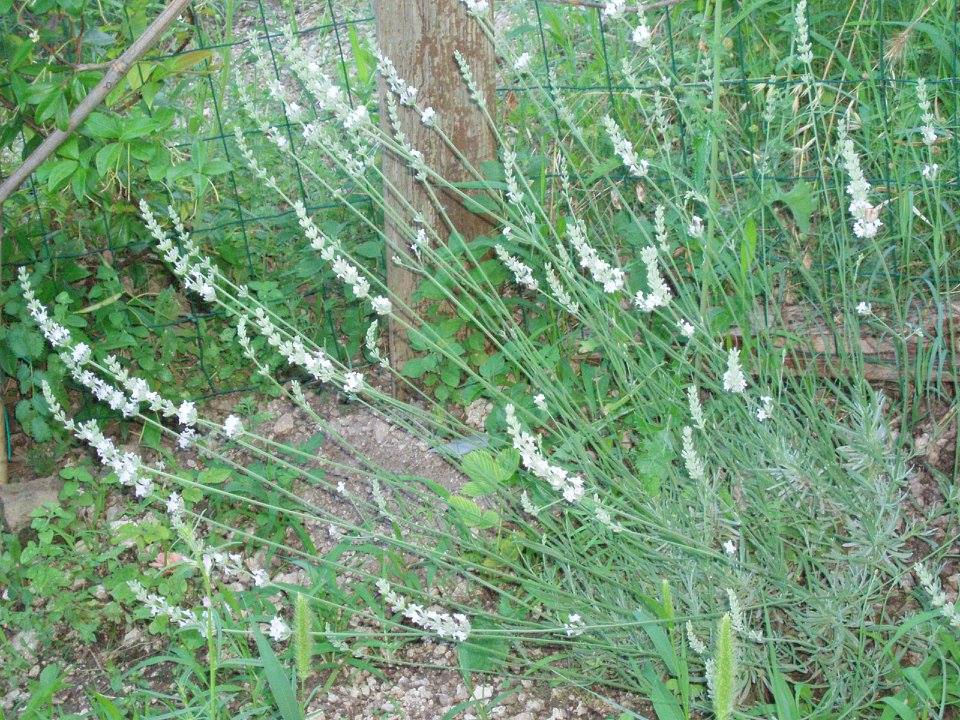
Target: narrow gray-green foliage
{"x": 603, "y": 481}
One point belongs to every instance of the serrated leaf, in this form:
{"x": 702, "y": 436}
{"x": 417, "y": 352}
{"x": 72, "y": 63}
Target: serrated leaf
{"x": 39, "y": 430}
{"x": 214, "y": 476}
{"x": 416, "y": 367}
{"x": 484, "y": 472}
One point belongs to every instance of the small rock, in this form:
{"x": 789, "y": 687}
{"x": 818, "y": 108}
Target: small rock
{"x": 26, "y": 642}
{"x": 284, "y": 424}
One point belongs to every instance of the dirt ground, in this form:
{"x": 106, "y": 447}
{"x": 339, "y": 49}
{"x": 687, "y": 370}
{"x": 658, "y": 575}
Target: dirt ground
{"x": 422, "y": 682}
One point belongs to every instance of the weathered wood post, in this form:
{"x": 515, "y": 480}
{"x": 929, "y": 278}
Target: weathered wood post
{"x": 420, "y": 37}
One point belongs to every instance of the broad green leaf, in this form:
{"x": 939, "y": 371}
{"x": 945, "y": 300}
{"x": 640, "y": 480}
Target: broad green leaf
{"x": 664, "y": 701}
{"x": 59, "y": 174}
{"x": 484, "y": 471}
{"x": 416, "y": 367}
{"x": 800, "y": 199}
{"x": 100, "y": 125}
{"x": 280, "y": 685}
{"x": 214, "y": 476}
{"x": 106, "y": 158}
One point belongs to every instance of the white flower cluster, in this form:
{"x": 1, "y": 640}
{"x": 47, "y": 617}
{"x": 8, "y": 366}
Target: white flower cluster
{"x": 624, "y": 148}
{"x": 927, "y": 130}
{"x": 696, "y": 409}
{"x": 158, "y": 605}
{"x": 466, "y": 72}
{"x": 570, "y": 486}
{"x": 522, "y": 62}
{"x": 866, "y": 216}
{"x": 938, "y": 599}
{"x": 692, "y": 461}
{"x": 574, "y": 626}
{"x": 278, "y": 630}
{"x": 612, "y": 278}
{"x": 293, "y": 111}
{"x": 229, "y": 566}
{"x": 455, "y": 626}
{"x": 55, "y": 333}
{"x": 352, "y": 382}
{"x": 696, "y": 644}
{"x": 695, "y": 228}
{"x": 765, "y": 411}
{"x": 523, "y": 274}
{"x": 126, "y": 400}
{"x": 804, "y": 49}
{"x": 330, "y": 98}
{"x": 373, "y": 348}
{"x": 733, "y": 379}
{"x": 642, "y": 34}
{"x": 476, "y": 7}
{"x": 560, "y": 293}
{"x": 381, "y": 305}
{"x": 194, "y": 270}
{"x": 315, "y": 362}
{"x": 127, "y": 466}
{"x": 526, "y": 504}
{"x": 330, "y": 250}
{"x": 737, "y": 619}
{"x": 864, "y": 308}
{"x": 603, "y": 516}
{"x": 233, "y": 427}
{"x": 660, "y": 226}
{"x": 614, "y": 8}
{"x": 175, "y": 508}
{"x": 76, "y": 356}
{"x": 514, "y": 194}
{"x": 406, "y": 94}
{"x": 659, "y": 295}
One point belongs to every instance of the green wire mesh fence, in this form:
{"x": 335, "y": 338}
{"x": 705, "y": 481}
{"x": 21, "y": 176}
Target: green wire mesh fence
{"x": 260, "y": 244}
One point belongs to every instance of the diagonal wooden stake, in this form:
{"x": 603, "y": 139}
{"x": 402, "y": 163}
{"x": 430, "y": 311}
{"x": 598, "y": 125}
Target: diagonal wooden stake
{"x": 118, "y": 70}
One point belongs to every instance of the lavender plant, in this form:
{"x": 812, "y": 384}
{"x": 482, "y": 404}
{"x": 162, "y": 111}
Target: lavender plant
{"x": 657, "y": 457}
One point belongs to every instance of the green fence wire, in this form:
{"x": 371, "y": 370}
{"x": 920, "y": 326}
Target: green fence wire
{"x": 234, "y": 214}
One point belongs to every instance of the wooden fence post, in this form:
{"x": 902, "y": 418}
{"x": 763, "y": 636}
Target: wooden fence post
{"x": 420, "y": 37}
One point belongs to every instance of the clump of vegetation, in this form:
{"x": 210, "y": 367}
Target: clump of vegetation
{"x": 676, "y": 492}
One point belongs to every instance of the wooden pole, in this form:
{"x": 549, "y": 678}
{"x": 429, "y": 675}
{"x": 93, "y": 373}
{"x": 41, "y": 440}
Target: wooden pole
{"x": 420, "y": 37}
{"x": 3, "y": 409}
